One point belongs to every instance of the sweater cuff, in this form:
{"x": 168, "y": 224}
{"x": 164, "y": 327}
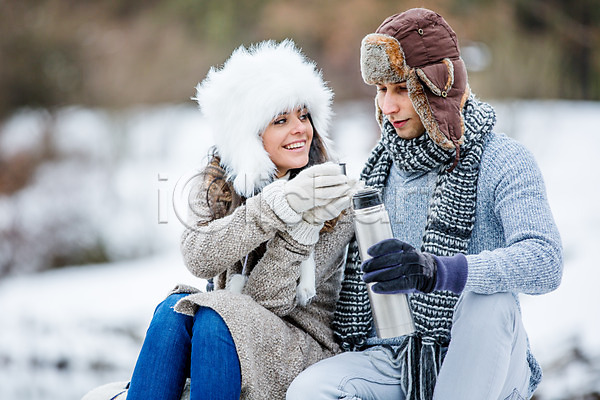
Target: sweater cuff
{"x": 305, "y": 233}
{"x": 451, "y": 273}
{"x": 274, "y": 196}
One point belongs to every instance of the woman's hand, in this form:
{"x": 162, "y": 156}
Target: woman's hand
{"x": 318, "y": 215}
{"x": 317, "y": 186}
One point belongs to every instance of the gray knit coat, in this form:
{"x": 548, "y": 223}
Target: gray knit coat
{"x": 275, "y": 337}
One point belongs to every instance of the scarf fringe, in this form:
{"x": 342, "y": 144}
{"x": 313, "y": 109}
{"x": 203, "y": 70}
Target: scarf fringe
{"x": 419, "y": 363}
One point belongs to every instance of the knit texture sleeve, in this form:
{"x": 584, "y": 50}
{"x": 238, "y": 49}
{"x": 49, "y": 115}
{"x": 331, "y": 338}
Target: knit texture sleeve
{"x": 273, "y": 281}
{"x": 209, "y": 246}
{"x": 274, "y": 196}
{"x": 513, "y": 215}
{"x": 300, "y": 230}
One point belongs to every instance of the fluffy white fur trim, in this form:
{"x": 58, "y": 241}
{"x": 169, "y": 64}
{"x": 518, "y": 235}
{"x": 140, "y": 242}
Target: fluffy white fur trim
{"x": 241, "y": 98}
{"x": 236, "y": 283}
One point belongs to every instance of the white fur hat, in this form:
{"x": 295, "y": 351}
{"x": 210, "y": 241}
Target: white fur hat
{"x": 240, "y": 99}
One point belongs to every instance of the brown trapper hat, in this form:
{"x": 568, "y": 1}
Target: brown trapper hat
{"x": 419, "y": 47}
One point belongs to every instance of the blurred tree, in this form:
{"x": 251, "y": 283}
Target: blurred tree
{"x": 37, "y": 68}
{"x": 575, "y": 25}
{"x": 115, "y": 53}
{"x": 220, "y": 22}
{"x": 42, "y": 72}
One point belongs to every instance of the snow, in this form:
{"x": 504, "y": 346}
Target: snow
{"x": 22, "y": 132}
{"x": 63, "y": 332}
{"x": 66, "y": 331}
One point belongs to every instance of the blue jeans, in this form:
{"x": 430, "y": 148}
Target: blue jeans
{"x": 486, "y": 359}
{"x": 178, "y": 346}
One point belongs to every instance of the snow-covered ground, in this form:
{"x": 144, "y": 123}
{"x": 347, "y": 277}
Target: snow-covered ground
{"x": 65, "y": 331}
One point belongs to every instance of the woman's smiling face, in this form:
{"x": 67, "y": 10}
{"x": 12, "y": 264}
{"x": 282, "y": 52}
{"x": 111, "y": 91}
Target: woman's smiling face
{"x": 287, "y": 139}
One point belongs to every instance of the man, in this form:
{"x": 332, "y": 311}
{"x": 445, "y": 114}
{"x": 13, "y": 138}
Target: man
{"x": 472, "y": 229}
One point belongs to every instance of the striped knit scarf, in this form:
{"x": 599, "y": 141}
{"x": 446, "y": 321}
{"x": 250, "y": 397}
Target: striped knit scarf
{"x": 449, "y": 225}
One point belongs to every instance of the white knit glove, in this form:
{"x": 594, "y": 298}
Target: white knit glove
{"x": 316, "y": 186}
{"x": 318, "y": 215}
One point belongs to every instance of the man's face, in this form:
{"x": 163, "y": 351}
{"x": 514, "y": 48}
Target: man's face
{"x": 395, "y": 104}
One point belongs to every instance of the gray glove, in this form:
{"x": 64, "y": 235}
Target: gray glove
{"x": 316, "y": 186}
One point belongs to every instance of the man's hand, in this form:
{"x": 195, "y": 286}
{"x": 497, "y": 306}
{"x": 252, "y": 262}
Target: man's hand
{"x": 397, "y": 267}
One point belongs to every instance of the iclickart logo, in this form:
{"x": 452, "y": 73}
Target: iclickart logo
{"x": 191, "y": 198}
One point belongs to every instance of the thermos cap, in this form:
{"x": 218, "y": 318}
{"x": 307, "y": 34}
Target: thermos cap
{"x": 366, "y": 198}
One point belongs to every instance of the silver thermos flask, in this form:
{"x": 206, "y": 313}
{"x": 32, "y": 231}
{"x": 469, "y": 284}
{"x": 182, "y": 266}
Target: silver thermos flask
{"x": 391, "y": 312}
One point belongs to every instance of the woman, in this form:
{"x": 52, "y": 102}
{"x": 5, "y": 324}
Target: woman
{"x": 268, "y": 222}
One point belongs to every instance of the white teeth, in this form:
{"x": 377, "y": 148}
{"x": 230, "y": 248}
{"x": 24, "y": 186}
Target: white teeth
{"x": 294, "y": 145}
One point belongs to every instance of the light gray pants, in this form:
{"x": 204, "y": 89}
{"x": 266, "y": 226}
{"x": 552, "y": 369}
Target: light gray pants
{"x": 486, "y": 359}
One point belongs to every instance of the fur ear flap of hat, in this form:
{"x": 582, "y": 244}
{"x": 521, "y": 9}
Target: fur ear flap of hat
{"x": 420, "y": 48}
{"x": 242, "y": 97}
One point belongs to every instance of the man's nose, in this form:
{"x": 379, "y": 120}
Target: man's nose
{"x": 389, "y": 105}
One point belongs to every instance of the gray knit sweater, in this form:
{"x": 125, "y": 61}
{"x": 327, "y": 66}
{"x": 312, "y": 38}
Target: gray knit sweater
{"x": 515, "y": 245}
